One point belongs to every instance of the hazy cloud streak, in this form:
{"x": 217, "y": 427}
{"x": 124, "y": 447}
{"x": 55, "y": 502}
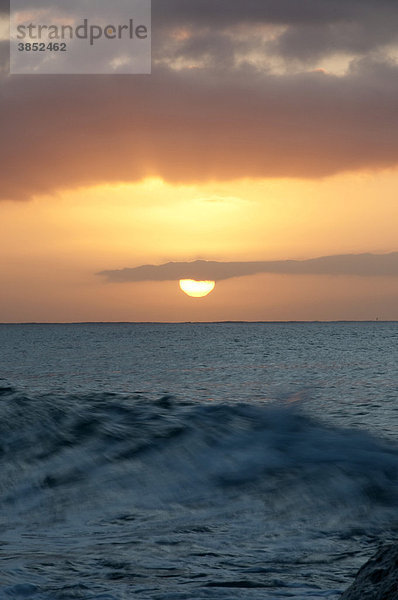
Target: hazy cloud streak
{"x": 362, "y": 265}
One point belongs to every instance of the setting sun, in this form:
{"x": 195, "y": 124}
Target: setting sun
{"x": 197, "y": 289}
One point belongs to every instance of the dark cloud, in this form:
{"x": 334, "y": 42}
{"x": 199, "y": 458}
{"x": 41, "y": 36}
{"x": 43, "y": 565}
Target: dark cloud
{"x": 363, "y": 265}
{"x": 222, "y": 12}
{"x": 4, "y": 7}
{"x": 317, "y": 25}
{"x": 313, "y": 28}
{"x": 231, "y": 12}
{"x": 194, "y": 125}
{"x": 312, "y": 41}
{"x": 219, "y": 122}
{"x": 4, "y": 57}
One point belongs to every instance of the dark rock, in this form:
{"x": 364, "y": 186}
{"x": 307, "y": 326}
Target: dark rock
{"x": 378, "y": 578}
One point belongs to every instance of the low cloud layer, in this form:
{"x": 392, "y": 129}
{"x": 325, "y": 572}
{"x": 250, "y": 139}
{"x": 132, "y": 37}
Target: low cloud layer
{"x": 361, "y": 265}
{"x": 214, "y": 107}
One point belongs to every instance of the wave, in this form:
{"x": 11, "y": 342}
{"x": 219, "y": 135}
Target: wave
{"x": 96, "y": 450}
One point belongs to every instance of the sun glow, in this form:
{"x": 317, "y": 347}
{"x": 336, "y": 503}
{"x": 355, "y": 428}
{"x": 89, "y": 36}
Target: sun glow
{"x": 196, "y": 289}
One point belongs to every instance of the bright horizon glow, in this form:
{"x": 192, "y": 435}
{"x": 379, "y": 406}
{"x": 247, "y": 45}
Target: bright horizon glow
{"x": 196, "y": 289}
{"x": 79, "y": 232}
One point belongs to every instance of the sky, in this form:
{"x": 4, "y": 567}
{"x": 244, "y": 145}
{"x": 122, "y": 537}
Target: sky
{"x": 267, "y": 131}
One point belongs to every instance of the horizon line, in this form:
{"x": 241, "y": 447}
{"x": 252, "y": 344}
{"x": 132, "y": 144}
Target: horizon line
{"x": 226, "y": 322}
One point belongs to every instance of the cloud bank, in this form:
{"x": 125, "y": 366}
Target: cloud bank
{"x": 362, "y": 265}
{"x": 215, "y": 107}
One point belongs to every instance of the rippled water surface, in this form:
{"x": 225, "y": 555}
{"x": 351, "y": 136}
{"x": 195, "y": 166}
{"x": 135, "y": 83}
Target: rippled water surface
{"x": 194, "y": 461}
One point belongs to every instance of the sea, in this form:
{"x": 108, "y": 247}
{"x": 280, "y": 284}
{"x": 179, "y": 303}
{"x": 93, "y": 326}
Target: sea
{"x": 195, "y": 461}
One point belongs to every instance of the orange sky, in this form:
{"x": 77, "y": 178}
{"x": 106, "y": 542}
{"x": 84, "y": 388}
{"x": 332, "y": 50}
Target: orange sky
{"x": 52, "y": 246}
{"x": 264, "y": 133}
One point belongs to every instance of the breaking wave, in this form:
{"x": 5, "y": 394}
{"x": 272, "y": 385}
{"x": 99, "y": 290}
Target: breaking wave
{"x": 264, "y": 479}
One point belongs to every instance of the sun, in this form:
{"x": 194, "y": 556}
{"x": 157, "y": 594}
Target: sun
{"x": 196, "y": 289}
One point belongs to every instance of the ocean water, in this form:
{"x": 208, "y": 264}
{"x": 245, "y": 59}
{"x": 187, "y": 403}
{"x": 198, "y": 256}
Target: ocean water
{"x": 195, "y": 461}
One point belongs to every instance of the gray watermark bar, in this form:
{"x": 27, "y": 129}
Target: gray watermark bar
{"x": 74, "y": 37}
